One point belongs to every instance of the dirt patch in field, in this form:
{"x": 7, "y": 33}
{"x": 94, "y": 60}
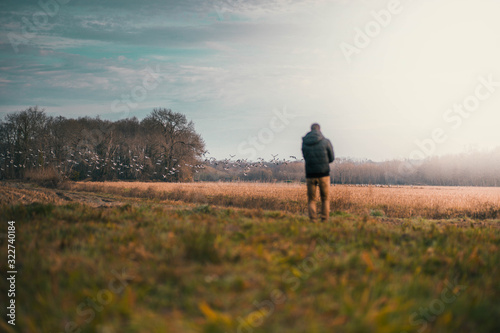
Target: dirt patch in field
{"x": 24, "y": 193}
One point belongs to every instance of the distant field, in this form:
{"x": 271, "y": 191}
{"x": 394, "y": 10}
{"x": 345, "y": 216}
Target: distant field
{"x": 400, "y": 202}
{"x": 150, "y": 257}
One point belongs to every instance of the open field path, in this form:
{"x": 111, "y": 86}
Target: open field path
{"x": 99, "y": 196}
{"x": 24, "y": 193}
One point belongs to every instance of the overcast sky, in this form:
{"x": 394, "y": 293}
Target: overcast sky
{"x": 379, "y": 76}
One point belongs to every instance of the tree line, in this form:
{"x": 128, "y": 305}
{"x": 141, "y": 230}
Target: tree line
{"x": 164, "y": 146}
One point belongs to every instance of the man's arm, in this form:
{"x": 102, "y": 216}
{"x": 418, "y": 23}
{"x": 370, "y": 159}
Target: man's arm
{"x": 331, "y": 154}
{"x": 302, "y": 149}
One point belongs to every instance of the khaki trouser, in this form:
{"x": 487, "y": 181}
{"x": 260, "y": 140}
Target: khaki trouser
{"x": 324, "y": 187}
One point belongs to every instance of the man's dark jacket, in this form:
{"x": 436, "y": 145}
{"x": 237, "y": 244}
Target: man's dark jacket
{"x": 318, "y": 154}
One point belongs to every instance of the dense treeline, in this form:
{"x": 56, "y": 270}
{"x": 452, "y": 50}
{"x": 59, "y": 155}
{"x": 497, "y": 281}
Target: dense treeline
{"x": 165, "y": 147}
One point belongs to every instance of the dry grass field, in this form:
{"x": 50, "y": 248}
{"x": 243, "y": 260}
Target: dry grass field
{"x": 220, "y": 258}
{"x": 399, "y": 202}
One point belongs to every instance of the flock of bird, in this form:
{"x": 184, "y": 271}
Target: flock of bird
{"x": 134, "y": 163}
{"x": 246, "y": 165}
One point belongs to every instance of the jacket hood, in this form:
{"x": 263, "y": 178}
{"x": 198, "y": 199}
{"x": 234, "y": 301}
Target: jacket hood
{"x": 312, "y": 138}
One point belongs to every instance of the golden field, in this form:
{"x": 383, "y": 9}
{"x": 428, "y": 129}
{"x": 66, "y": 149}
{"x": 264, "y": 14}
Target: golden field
{"x": 400, "y": 202}
{"x": 187, "y": 258}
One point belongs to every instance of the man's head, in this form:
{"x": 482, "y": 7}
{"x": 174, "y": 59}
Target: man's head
{"x": 315, "y": 127}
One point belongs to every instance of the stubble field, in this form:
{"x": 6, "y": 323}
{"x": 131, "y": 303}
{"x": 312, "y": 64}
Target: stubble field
{"x": 155, "y": 257}
{"x": 399, "y": 202}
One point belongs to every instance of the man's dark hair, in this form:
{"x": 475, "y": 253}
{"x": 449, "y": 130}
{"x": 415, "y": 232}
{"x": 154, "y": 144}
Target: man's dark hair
{"x": 315, "y": 127}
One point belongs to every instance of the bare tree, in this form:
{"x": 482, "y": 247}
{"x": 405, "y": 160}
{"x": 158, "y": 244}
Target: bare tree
{"x": 177, "y": 141}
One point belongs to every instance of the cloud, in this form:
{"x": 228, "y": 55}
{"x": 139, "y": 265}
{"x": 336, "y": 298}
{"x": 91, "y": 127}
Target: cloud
{"x": 231, "y": 62}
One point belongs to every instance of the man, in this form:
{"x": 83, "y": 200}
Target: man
{"x": 318, "y": 154}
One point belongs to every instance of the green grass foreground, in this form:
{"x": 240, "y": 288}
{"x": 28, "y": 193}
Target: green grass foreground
{"x": 146, "y": 267}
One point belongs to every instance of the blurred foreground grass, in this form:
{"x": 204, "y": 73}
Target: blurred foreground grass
{"x": 148, "y": 267}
